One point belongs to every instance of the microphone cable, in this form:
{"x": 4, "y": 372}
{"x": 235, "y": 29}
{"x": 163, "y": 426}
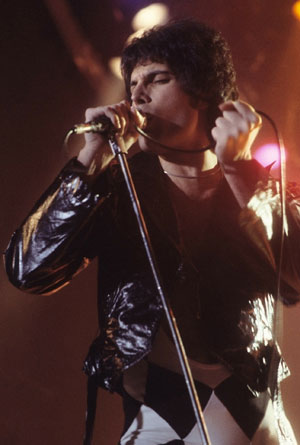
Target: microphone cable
{"x": 278, "y": 316}
{"x": 104, "y": 126}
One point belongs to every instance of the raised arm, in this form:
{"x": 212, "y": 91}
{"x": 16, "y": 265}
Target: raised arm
{"x": 258, "y": 194}
{"x": 59, "y": 236}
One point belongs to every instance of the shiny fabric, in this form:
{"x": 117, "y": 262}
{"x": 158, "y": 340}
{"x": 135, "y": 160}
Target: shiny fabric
{"x": 82, "y": 216}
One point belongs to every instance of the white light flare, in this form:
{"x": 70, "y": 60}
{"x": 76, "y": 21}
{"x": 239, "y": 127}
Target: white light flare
{"x": 115, "y": 66}
{"x": 268, "y": 154}
{"x": 152, "y": 15}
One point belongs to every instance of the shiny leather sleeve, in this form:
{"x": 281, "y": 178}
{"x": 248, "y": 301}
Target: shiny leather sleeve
{"x": 54, "y": 242}
{"x": 262, "y": 220}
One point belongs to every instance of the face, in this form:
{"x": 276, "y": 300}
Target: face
{"x": 172, "y": 118}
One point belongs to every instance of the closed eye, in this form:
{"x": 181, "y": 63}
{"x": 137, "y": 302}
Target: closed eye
{"x": 155, "y": 77}
{"x": 166, "y": 80}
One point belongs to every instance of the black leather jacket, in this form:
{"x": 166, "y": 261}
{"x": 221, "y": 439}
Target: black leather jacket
{"x": 82, "y": 216}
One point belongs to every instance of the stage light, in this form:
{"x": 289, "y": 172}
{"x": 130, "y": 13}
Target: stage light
{"x": 154, "y": 14}
{"x": 115, "y": 66}
{"x": 296, "y": 9}
{"x": 267, "y": 154}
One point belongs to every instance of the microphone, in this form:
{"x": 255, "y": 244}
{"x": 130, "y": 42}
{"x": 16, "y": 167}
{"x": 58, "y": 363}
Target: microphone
{"x": 102, "y": 125}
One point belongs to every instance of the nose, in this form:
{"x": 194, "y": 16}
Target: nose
{"x": 139, "y": 95}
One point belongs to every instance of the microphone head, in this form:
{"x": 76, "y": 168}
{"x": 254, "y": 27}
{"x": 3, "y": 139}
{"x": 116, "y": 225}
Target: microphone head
{"x": 102, "y": 125}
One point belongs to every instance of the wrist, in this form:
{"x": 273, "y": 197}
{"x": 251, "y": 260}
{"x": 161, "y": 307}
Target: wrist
{"x": 92, "y": 156}
{"x": 86, "y": 156}
{"x": 243, "y": 177}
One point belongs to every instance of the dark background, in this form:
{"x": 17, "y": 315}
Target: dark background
{"x": 43, "y": 340}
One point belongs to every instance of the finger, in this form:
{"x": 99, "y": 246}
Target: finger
{"x": 139, "y": 119}
{"x": 92, "y": 113}
{"x": 122, "y": 111}
{"x": 117, "y": 118}
{"x": 245, "y": 109}
{"x": 227, "y": 127}
{"x": 237, "y": 120}
{"x": 125, "y": 116}
{"x": 239, "y": 105}
{"x": 248, "y": 112}
{"x": 219, "y": 135}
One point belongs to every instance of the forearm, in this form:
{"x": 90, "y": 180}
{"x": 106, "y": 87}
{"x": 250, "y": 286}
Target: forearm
{"x": 243, "y": 178}
{"x": 90, "y": 157}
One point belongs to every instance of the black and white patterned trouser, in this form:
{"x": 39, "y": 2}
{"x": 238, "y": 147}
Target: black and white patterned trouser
{"x": 233, "y": 416}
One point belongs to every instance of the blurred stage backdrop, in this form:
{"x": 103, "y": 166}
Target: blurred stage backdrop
{"x": 58, "y": 58}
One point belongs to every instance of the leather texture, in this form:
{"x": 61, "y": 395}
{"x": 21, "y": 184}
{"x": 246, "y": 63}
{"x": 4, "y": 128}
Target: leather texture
{"x": 230, "y": 292}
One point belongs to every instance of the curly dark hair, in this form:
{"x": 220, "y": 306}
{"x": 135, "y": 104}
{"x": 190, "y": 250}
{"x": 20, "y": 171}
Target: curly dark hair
{"x": 198, "y": 56}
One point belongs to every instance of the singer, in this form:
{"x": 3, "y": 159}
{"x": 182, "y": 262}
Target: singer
{"x": 213, "y": 214}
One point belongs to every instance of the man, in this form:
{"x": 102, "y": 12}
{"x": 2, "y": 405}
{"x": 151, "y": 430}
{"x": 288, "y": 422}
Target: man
{"x": 213, "y": 215}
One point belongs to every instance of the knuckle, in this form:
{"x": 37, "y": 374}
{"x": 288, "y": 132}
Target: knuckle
{"x": 219, "y": 121}
{"x": 215, "y": 132}
{"x": 92, "y": 113}
{"x": 89, "y": 113}
{"x": 113, "y": 112}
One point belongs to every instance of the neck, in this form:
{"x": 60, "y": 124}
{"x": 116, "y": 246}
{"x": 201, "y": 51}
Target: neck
{"x": 188, "y": 165}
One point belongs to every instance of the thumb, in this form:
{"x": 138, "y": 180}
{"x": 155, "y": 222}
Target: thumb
{"x": 140, "y": 119}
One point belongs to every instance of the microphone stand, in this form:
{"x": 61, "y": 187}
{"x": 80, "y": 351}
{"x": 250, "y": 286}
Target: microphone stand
{"x": 121, "y": 156}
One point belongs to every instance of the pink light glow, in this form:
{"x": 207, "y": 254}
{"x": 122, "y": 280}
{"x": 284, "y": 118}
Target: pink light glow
{"x": 267, "y": 154}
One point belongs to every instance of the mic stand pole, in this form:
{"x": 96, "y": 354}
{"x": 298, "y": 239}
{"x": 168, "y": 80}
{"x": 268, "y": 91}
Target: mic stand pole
{"x": 168, "y": 310}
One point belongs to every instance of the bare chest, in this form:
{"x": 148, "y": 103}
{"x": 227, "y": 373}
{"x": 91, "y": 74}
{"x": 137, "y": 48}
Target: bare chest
{"x": 193, "y": 206}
